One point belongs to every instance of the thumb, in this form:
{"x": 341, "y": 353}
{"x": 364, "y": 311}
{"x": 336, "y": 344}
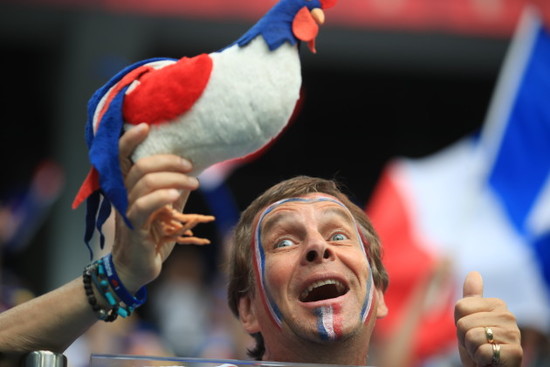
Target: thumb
{"x": 473, "y": 285}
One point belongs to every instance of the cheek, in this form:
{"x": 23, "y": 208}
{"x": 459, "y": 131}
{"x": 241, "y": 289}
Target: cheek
{"x": 277, "y": 275}
{"x": 275, "y": 278}
{"x": 357, "y": 262}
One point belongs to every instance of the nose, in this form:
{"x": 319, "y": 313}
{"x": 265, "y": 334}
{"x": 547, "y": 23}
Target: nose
{"x": 317, "y": 251}
{"x": 313, "y": 255}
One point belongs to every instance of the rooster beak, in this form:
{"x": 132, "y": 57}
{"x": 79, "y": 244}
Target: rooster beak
{"x": 318, "y": 15}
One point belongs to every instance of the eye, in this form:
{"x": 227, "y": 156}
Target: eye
{"x": 284, "y": 243}
{"x": 338, "y": 237}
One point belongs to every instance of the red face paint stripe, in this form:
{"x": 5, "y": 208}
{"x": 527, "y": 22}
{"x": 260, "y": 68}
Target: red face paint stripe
{"x": 337, "y": 321}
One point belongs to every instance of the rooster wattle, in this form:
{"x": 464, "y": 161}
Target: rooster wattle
{"x": 208, "y": 108}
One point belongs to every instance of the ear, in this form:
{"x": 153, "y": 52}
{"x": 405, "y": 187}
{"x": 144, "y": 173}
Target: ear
{"x": 381, "y": 308}
{"x": 247, "y": 315}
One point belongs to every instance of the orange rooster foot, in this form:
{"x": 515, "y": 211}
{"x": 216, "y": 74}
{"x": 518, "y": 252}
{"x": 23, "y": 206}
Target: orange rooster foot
{"x": 169, "y": 225}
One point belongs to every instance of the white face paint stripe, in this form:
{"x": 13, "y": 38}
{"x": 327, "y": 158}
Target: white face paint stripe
{"x": 325, "y": 323}
{"x": 368, "y": 302}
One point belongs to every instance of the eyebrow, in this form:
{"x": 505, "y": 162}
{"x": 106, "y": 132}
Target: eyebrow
{"x": 271, "y": 221}
{"x": 341, "y": 213}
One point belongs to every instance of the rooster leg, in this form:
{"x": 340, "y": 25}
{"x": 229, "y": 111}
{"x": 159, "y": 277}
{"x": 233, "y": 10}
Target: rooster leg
{"x": 169, "y": 225}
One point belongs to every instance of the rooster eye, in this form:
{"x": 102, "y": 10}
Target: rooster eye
{"x": 338, "y": 237}
{"x": 284, "y": 243}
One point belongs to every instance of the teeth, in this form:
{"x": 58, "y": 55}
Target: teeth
{"x": 339, "y": 286}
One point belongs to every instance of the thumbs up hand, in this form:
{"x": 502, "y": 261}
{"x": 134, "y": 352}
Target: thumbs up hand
{"x": 487, "y": 332}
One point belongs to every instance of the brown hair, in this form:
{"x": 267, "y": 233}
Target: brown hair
{"x": 240, "y": 269}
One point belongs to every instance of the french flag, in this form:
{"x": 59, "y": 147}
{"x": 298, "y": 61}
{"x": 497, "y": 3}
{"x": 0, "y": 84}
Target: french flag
{"x": 481, "y": 204}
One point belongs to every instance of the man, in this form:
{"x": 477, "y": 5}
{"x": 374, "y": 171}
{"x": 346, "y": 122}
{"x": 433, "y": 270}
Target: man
{"x": 330, "y": 279}
{"x": 306, "y": 275}
{"x": 307, "y": 281}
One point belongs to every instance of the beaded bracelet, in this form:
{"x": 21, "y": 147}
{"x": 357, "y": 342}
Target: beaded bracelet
{"x": 102, "y": 285}
{"x": 103, "y": 275}
{"x": 107, "y": 315}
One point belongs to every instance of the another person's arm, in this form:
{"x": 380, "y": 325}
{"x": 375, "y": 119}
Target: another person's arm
{"x": 54, "y": 320}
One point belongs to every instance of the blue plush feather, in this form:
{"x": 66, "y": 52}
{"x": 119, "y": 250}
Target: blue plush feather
{"x": 276, "y": 25}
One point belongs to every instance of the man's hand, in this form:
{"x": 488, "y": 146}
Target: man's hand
{"x": 487, "y": 331}
{"x": 152, "y": 183}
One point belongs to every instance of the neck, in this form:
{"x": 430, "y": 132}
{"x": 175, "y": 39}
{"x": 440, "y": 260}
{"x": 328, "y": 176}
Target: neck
{"x": 279, "y": 17}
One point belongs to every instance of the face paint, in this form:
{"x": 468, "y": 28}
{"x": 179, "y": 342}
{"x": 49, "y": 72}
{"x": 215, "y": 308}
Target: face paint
{"x": 328, "y": 322}
{"x": 370, "y": 294}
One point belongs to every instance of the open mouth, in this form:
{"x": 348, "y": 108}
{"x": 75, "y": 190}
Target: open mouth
{"x": 323, "y": 289}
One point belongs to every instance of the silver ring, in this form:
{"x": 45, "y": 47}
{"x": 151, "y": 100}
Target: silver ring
{"x": 496, "y": 354}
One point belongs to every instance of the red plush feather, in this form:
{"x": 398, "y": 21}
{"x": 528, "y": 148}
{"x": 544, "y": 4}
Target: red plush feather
{"x": 182, "y": 84}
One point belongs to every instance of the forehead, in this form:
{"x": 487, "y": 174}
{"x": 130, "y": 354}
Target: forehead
{"x": 317, "y": 205}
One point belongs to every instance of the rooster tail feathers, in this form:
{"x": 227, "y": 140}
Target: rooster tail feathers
{"x": 89, "y": 186}
{"x": 105, "y": 159}
{"x": 104, "y": 185}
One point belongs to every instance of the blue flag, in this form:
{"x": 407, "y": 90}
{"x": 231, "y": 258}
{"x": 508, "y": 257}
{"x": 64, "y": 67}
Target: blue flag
{"x": 517, "y": 137}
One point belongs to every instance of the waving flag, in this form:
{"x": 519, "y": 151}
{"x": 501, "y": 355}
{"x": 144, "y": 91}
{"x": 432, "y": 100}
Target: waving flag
{"x": 482, "y": 204}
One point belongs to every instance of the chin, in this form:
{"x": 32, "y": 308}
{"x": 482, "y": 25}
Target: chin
{"x": 325, "y": 331}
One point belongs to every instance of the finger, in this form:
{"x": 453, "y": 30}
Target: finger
{"x": 503, "y": 334}
{"x": 140, "y": 211}
{"x": 156, "y": 163}
{"x": 478, "y": 336}
{"x": 128, "y": 143}
{"x": 472, "y": 308}
{"x": 473, "y": 285}
{"x": 484, "y": 355}
{"x": 132, "y": 138}
{"x": 162, "y": 180}
{"x": 498, "y": 355}
{"x": 493, "y": 313}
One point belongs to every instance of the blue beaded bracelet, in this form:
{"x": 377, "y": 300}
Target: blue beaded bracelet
{"x": 119, "y": 289}
{"x": 104, "y": 314}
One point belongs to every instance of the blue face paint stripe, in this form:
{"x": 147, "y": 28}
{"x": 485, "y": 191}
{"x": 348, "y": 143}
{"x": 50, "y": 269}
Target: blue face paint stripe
{"x": 320, "y": 325}
{"x": 368, "y": 301}
{"x": 273, "y": 309}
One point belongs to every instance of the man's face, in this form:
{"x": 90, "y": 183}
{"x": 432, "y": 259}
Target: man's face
{"x": 313, "y": 276}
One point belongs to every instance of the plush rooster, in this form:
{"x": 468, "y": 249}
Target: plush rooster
{"x": 208, "y": 109}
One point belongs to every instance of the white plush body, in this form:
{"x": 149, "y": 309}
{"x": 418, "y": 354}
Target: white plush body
{"x": 249, "y": 98}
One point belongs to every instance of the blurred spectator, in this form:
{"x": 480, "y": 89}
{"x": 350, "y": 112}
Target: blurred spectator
{"x": 22, "y": 212}
{"x": 180, "y": 302}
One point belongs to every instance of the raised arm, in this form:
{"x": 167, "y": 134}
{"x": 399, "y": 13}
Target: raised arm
{"x": 54, "y": 320}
